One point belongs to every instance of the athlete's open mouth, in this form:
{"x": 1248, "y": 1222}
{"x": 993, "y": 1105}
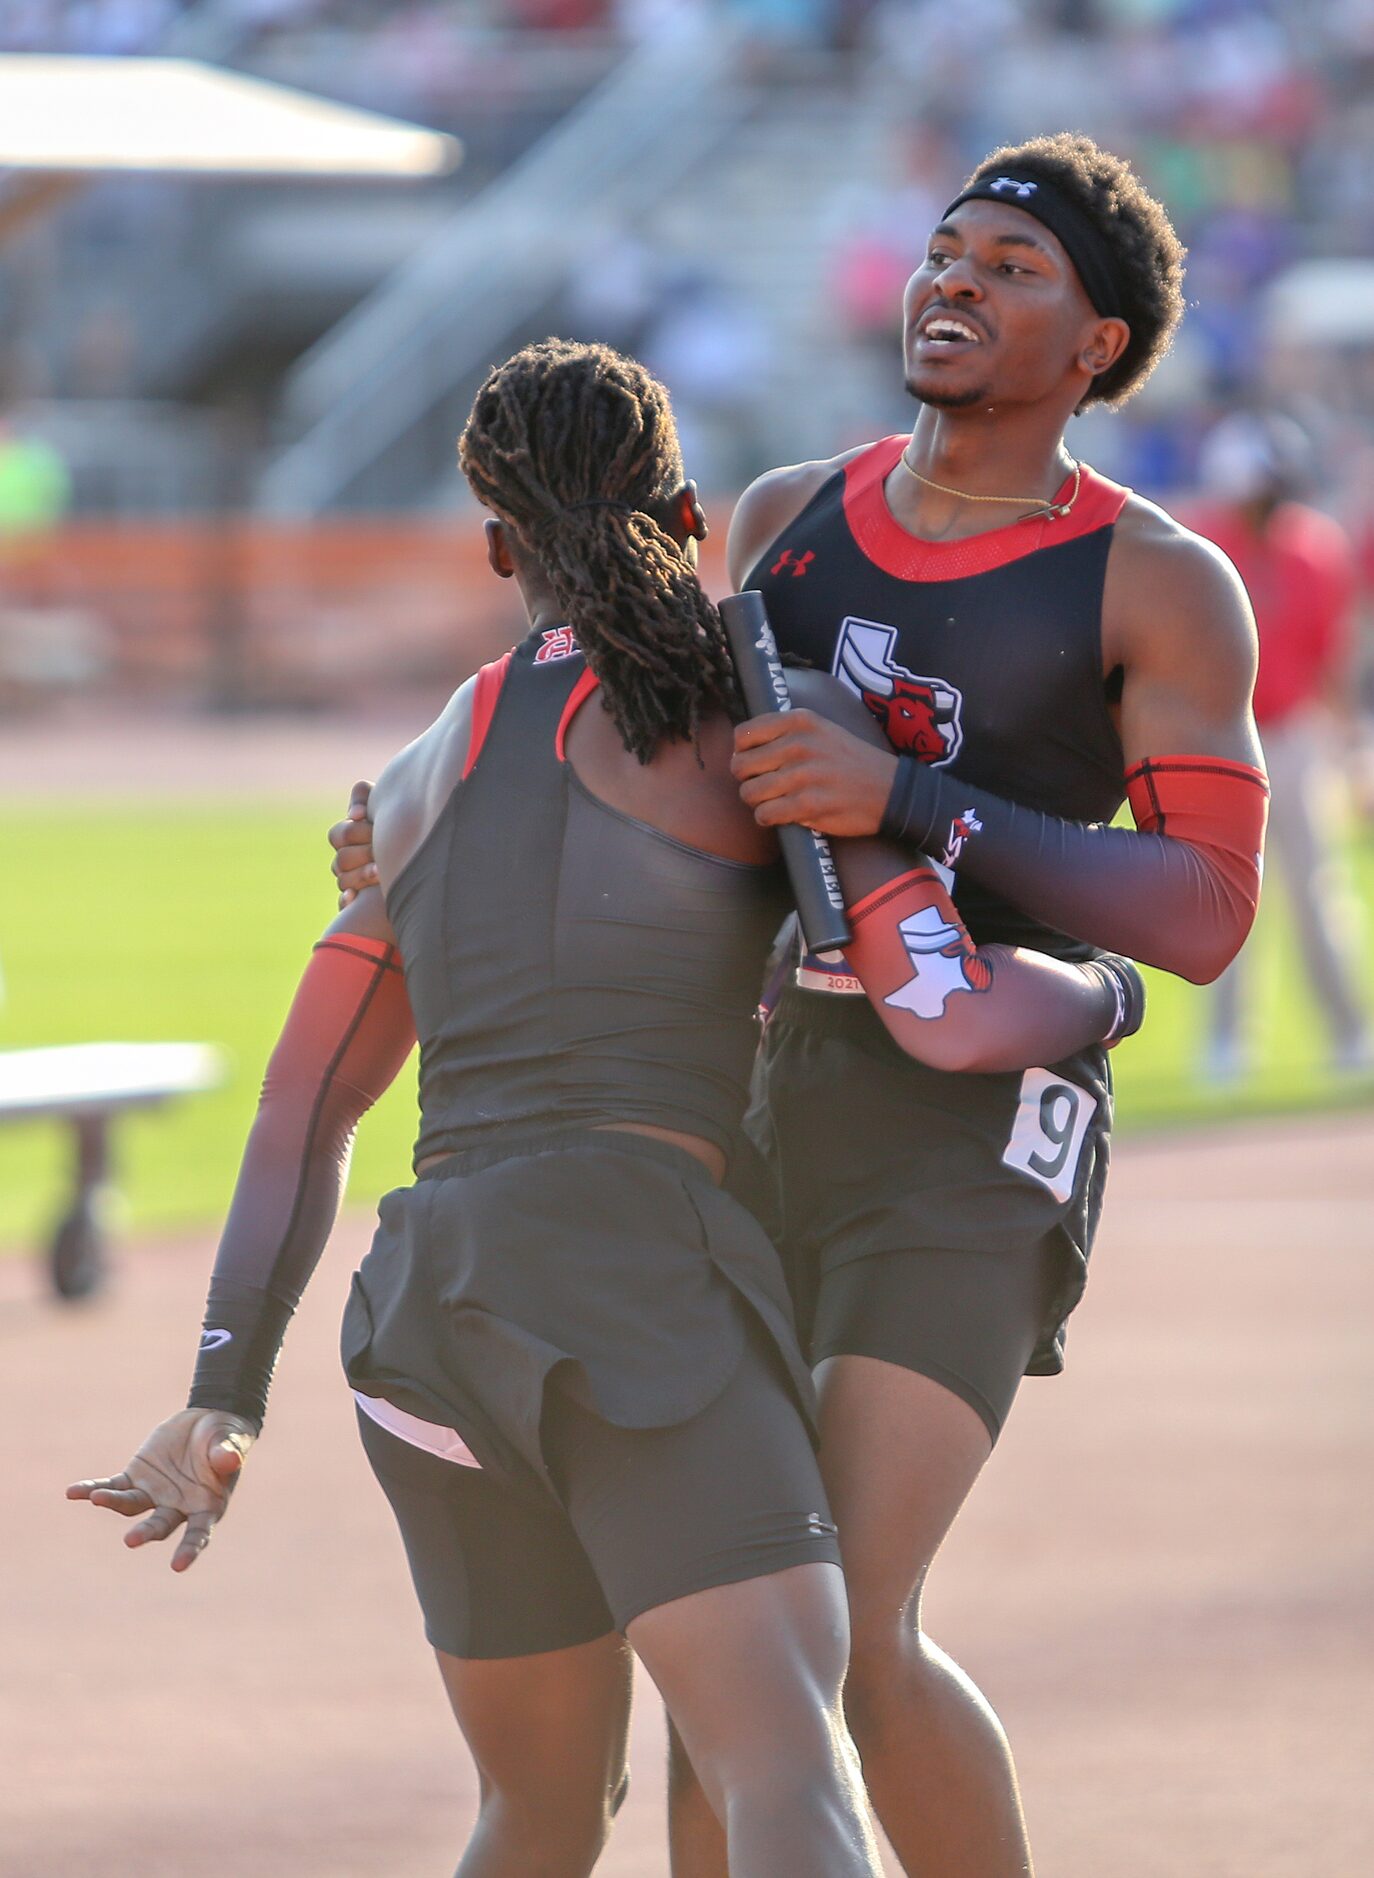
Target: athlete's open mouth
{"x": 944, "y": 331}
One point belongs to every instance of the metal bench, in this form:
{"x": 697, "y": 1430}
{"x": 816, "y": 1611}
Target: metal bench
{"x": 88, "y": 1084}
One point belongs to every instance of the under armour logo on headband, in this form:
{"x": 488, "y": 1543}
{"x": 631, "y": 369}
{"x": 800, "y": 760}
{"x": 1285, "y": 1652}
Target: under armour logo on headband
{"x": 1010, "y": 182}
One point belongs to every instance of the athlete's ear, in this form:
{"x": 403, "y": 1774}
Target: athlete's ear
{"x": 499, "y": 557}
{"x": 690, "y": 512}
{"x": 1105, "y": 345}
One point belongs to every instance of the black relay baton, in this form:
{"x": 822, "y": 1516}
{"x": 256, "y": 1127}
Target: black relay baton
{"x": 810, "y": 865}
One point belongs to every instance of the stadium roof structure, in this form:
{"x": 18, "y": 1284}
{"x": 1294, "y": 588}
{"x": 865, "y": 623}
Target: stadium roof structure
{"x": 74, "y": 116}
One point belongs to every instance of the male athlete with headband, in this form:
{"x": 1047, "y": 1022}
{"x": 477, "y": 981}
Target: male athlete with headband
{"x": 1037, "y": 643}
{"x": 578, "y": 1380}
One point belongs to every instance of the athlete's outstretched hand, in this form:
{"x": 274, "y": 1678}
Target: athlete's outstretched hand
{"x": 182, "y": 1475}
{"x": 353, "y": 866}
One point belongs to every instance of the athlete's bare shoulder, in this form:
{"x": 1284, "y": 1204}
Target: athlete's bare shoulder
{"x": 686, "y": 789}
{"x": 772, "y": 501}
{"x": 1171, "y": 591}
{"x": 1176, "y": 618}
{"x": 411, "y": 791}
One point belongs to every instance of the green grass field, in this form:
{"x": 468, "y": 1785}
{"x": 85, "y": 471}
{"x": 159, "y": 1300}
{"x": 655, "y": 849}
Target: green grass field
{"x": 132, "y": 922}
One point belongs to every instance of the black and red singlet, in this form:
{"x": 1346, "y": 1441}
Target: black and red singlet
{"x": 567, "y": 964}
{"x": 982, "y": 657}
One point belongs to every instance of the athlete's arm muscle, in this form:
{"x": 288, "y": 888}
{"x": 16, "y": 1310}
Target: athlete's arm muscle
{"x": 1176, "y": 618}
{"x": 346, "y": 1036}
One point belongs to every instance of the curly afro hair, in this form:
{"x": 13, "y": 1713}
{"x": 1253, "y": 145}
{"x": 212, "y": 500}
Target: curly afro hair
{"x": 1148, "y": 254}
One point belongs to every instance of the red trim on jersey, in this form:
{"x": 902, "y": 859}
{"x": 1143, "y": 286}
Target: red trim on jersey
{"x": 489, "y": 682}
{"x": 581, "y": 691}
{"x": 880, "y": 536}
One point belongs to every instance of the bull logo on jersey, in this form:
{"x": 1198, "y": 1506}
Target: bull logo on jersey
{"x": 920, "y": 716}
{"x": 942, "y": 962}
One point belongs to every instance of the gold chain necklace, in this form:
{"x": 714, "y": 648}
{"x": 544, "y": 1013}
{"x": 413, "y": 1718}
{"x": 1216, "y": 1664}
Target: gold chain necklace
{"x": 1050, "y": 511}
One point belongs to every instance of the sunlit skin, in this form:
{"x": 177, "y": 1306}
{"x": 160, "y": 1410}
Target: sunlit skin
{"x": 1039, "y": 346}
{"x": 899, "y": 1451}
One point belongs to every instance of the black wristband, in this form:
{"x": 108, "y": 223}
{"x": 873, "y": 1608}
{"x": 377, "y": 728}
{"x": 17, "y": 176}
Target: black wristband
{"x": 238, "y": 1351}
{"x": 912, "y": 814}
{"x": 1129, "y": 987}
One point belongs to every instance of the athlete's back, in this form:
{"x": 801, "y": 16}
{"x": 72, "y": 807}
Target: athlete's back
{"x": 576, "y": 954}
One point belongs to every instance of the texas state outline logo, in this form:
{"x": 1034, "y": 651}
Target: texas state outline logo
{"x": 921, "y": 717}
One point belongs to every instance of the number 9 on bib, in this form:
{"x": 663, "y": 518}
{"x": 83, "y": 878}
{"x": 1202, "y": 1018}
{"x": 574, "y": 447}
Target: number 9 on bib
{"x": 1047, "y": 1136}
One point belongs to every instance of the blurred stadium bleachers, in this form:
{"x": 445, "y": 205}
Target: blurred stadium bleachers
{"x": 735, "y": 189}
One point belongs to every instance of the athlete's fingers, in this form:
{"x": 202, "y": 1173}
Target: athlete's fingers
{"x": 788, "y": 747}
{"x": 785, "y": 809}
{"x": 128, "y": 1502}
{"x": 770, "y": 787}
{"x": 108, "y": 1483}
{"x": 161, "y": 1523}
{"x": 354, "y": 883}
{"x": 193, "y": 1541}
{"x": 346, "y": 898}
{"x": 760, "y": 730}
{"x": 352, "y": 834}
{"x": 351, "y": 862}
{"x": 357, "y": 803}
{"x": 746, "y": 764}
{"x": 83, "y": 1489}
{"x": 228, "y": 1455}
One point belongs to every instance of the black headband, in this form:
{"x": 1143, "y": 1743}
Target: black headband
{"x": 1084, "y": 243}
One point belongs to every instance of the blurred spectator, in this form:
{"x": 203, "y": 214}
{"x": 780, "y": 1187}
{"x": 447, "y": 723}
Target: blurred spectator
{"x": 1299, "y": 568}
{"x": 710, "y": 347}
{"x": 780, "y": 25}
{"x": 884, "y": 238}
{"x": 613, "y": 292}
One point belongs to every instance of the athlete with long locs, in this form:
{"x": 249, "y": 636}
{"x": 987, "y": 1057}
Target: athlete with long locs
{"x": 1039, "y": 644}
{"x": 577, "y": 1374}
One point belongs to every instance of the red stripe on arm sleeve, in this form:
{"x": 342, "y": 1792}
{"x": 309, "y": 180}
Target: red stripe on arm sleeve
{"x": 1220, "y": 810}
{"x": 346, "y": 1037}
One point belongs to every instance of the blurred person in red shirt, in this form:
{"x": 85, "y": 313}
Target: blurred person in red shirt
{"x": 1300, "y": 570}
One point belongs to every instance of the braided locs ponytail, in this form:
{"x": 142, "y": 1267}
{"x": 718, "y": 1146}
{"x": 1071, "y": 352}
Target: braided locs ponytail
{"x": 570, "y": 445}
